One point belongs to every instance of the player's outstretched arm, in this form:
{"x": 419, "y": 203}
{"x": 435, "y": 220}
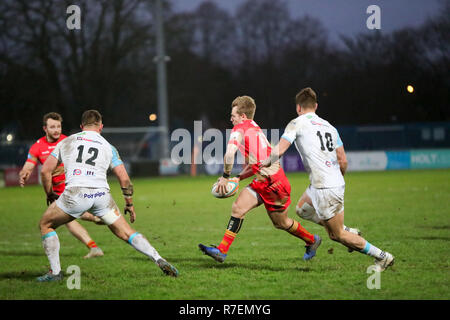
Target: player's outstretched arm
{"x": 46, "y": 176}
{"x": 277, "y": 152}
{"x": 127, "y": 190}
{"x": 25, "y": 173}
{"x": 246, "y": 172}
{"x": 342, "y": 159}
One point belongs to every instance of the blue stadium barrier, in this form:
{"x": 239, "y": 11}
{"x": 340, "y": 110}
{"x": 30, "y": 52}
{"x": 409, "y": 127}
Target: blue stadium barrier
{"x": 383, "y": 160}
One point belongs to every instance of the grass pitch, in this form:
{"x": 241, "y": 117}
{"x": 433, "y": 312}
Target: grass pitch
{"x": 404, "y": 212}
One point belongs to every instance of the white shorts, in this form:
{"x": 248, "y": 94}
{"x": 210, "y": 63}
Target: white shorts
{"x": 98, "y": 201}
{"x": 327, "y": 202}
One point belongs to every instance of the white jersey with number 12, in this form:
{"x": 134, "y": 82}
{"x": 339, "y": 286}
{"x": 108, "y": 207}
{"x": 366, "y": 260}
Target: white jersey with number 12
{"x": 87, "y": 156}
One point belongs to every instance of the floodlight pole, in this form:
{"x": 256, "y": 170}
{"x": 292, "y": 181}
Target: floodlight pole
{"x": 161, "y": 59}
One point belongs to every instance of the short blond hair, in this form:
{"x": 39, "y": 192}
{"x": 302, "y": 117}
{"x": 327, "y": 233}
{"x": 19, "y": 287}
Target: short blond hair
{"x": 245, "y": 105}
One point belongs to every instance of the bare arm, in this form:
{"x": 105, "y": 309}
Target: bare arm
{"x": 46, "y": 176}
{"x": 228, "y": 162}
{"x": 246, "y": 172}
{"x": 281, "y": 148}
{"x": 25, "y": 173}
{"x": 46, "y": 173}
{"x": 127, "y": 190}
{"x": 342, "y": 159}
{"x": 277, "y": 152}
{"x": 228, "y": 159}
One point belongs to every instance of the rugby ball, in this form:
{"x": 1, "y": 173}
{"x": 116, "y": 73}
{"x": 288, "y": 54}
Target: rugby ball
{"x": 232, "y": 189}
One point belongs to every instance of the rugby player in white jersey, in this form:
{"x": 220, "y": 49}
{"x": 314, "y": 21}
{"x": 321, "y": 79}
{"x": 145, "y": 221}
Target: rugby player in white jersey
{"x": 38, "y": 153}
{"x": 323, "y": 156}
{"x": 87, "y": 156}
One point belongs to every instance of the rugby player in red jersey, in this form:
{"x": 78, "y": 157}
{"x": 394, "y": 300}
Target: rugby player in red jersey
{"x": 270, "y": 185}
{"x": 38, "y": 154}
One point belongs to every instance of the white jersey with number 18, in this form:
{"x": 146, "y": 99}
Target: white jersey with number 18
{"x": 316, "y": 140}
{"x": 87, "y": 156}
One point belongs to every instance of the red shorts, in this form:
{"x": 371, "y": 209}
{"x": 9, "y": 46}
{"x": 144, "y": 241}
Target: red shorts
{"x": 275, "y": 191}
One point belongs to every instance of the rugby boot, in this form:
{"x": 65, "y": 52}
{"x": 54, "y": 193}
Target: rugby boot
{"x": 94, "y": 252}
{"x": 383, "y": 264}
{"x": 49, "y": 276}
{"x": 312, "y": 248}
{"x": 167, "y": 268}
{"x": 213, "y": 252}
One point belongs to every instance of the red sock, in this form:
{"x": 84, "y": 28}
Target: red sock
{"x": 298, "y": 231}
{"x": 227, "y": 240}
{"x": 91, "y": 244}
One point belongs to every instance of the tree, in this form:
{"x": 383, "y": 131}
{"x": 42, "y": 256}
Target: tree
{"x": 214, "y": 33}
{"x": 81, "y": 67}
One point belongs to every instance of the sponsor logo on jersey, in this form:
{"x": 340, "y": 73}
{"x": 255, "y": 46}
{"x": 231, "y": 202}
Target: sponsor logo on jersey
{"x": 45, "y": 152}
{"x": 94, "y": 195}
{"x": 331, "y": 163}
{"x": 84, "y": 139}
{"x": 89, "y": 140}
{"x": 318, "y": 123}
{"x": 76, "y": 172}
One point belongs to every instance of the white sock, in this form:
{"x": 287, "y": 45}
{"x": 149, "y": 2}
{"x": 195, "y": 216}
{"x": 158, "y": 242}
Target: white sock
{"x": 352, "y": 230}
{"x": 373, "y": 251}
{"x": 50, "y": 242}
{"x": 142, "y": 245}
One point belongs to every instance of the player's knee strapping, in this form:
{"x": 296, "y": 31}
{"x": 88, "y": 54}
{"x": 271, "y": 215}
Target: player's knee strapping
{"x": 307, "y": 212}
{"x": 110, "y": 217}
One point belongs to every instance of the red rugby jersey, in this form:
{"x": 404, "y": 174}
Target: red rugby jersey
{"x": 39, "y": 152}
{"x": 253, "y": 145}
